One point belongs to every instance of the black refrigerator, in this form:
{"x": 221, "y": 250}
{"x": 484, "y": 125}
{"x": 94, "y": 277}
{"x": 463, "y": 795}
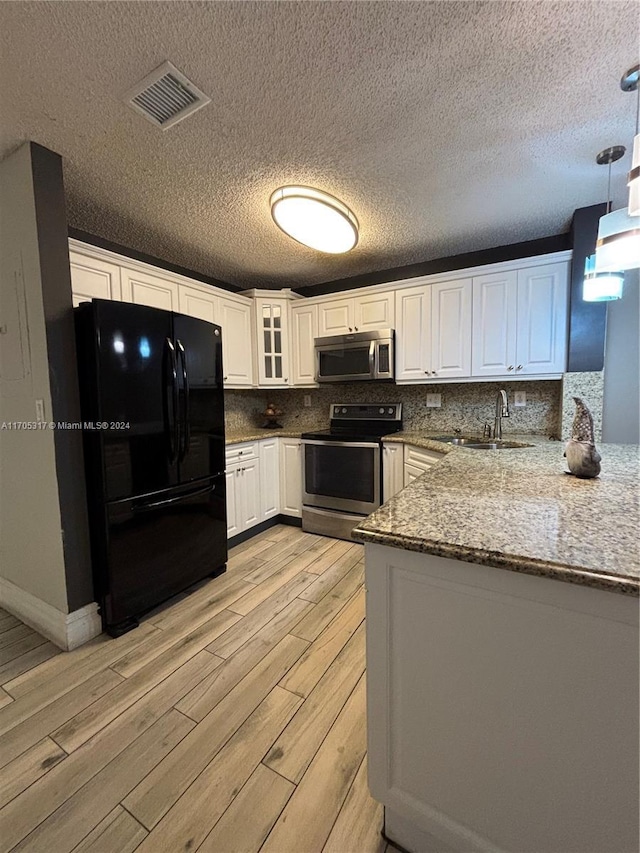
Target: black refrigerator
{"x": 153, "y": 412}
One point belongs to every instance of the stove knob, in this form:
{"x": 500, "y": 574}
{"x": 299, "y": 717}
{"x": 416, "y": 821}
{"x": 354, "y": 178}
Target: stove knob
{"x": 381, "y": 411}
{"x": 344, "y": 411}
{"x": 390, "y": 411}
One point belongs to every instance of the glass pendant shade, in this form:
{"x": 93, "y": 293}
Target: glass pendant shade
{"x": 603, "y": 286}
{"x": 634, "y": 179}
{"x": 315, "y": 219}
{"x": 618, "y": 244}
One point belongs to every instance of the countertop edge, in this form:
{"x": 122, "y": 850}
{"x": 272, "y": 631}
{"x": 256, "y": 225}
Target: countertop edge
{"x": 623, "y": 585}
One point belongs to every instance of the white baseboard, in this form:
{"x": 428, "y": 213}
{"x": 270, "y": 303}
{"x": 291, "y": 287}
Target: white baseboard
{"x": 66, "y": 630}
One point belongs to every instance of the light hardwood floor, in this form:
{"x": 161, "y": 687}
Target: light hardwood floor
{"x": 231, "y": 721}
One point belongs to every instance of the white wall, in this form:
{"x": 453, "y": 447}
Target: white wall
{"x": 621, "y": 415}
{"x": 31, "y": 547}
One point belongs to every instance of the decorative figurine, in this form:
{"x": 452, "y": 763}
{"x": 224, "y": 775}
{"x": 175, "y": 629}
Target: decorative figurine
{"x": 272, "y": 413}
{"x": 582, "y": 457}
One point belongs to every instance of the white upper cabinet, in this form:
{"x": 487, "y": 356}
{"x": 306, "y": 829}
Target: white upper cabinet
{"x": 272, "y": 339}
{"x": 197, "y": 303}
{"x": 451, "y": 329}
{"x": 92, "y": 278}
{"x": 363, "y": 313}
{"x": 336, "y": 317}
{"x": 495, "y": 309}
{"x": 304, "y": 328}
{"x": 413, "y": 328}
{"x": 141, "y": 288}
{"x": 542, "y": 319}
{"x": 520, "y": 322}
{"x": 374, "y": 311}
{"x": 433, "y": 331}
{"x": 237, "y": 363}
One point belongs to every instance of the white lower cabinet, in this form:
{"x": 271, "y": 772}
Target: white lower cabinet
{"x": 243, "y": 488}
{"x": 392, "y": 469}
{"x": 417, "y": 460}
{"x": 291, "y": 477}
{"x": 264, "y": 479}
{"x": 269, "y": 478}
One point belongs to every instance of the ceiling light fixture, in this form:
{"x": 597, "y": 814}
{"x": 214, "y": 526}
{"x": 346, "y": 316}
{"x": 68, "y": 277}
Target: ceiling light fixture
{"x": 315, "y": 219}
{"x": 629, "y": 83}
{"x": 618, "y": 243}
{"x": 604, "y": 285}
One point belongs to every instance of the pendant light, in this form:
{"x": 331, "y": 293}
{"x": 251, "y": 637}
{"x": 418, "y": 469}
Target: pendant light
{"x": 618, "y": 243}
{"x": 600, "y": 285}
{"x": 629, "y": 83}
{"x": 315, "y": 219}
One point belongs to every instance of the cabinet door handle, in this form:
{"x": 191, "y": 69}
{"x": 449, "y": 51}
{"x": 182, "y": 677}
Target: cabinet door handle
{"x": 224, "y": 378}
{"x": 434, "y": 373}
{"x": 510, "y": 367}
{"x": 427, "y": 372}
{"x": 350, "y": 329}
{"x": 356, "y": 328}
{"x": 519, "y": 367}
{"x": 286, "y": 379}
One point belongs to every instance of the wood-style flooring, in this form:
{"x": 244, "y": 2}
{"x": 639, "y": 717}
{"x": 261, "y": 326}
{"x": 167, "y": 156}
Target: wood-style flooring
{"x": 231, "y": 721}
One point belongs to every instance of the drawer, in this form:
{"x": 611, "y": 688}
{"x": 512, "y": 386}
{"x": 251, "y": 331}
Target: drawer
{"x": 411, "y": 473}
{"x": 420, "y": 458}
{"x": 236, "y": 452}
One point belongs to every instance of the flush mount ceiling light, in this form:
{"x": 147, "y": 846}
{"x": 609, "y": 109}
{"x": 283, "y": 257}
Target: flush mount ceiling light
{"x": 315, "y": 219}
{"x": 604, "y": 285}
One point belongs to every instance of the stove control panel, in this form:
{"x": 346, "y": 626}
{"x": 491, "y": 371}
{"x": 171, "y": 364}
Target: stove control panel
{"x": 366, "y": 412}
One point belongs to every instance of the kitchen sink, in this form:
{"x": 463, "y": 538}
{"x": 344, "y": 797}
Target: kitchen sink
{"x": 478, "y": 444}
{"x": 458, "y": 439}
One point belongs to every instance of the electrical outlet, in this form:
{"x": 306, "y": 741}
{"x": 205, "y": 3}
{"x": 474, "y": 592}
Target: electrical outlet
{"x": 307, "y": 400}
{"x": 40, "y": 411}
{"x": 520, "y": 398}
{"x": 434, "y": 401}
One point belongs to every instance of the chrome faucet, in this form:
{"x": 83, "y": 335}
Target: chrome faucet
{"x": 502, "y": 411}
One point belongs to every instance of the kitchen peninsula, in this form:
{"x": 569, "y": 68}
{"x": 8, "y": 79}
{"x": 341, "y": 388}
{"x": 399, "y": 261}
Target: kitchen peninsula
{"x": 502, "y": 654}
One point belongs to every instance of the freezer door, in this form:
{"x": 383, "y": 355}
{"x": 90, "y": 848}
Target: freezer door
{"x": 201, "y": 398}
{"x": 159, "y": 545}
{"x": 135, "y": 412}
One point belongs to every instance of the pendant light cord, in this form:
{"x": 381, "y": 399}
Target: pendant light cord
{"x": 609, "y": 189}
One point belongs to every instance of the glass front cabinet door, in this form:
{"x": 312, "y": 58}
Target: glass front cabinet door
{"x": 273, "y": 341}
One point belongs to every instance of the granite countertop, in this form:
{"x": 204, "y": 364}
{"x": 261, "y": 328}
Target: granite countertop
{"x": 517, "y": 509}
{"x": 257, "y": 434}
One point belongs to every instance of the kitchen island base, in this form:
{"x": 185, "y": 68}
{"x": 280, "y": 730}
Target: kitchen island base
{"x": 502, "y": 708}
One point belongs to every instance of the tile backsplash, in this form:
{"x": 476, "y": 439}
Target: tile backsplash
{"x": 465, "y": 406}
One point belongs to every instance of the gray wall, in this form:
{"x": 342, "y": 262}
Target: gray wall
{"x": 621, "y": 415}
{"x": 43, "y": 525}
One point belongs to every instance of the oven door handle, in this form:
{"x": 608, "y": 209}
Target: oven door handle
{"x": 373, "y": 444}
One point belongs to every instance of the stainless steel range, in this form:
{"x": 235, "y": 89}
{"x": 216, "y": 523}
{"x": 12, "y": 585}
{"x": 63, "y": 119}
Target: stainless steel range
{"x": 342, "y": 467}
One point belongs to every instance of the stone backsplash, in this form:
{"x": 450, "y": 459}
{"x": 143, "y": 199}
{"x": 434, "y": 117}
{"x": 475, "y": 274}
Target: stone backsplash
{"x": 465, "y": 406}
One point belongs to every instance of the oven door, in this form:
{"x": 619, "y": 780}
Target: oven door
{"x": 341, "y": 475}
{"x": 346, "y": 361}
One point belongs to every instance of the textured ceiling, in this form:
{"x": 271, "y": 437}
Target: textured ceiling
{"x": 446, "y": 126}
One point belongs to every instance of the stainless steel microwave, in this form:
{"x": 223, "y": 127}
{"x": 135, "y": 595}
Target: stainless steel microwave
{"x": 352, "y": 358}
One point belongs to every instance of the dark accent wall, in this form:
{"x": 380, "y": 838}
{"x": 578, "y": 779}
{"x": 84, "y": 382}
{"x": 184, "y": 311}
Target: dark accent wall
{"x": 587, "y": 320}
{"x": 511, "y": 252}
{"x": 94, "y": 240}
{"x": 53, "y": 247}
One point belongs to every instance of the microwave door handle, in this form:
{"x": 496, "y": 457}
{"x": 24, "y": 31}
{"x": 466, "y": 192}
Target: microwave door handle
{"x": 373, "y": 367}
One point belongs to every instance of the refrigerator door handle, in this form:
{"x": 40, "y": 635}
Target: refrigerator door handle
{"x": 186, "y": 430}
{"x": 171, "y": 420}
{"x": 175, "y": 499}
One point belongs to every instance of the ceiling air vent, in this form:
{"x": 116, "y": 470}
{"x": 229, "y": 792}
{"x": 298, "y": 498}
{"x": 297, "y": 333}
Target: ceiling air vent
{"x": 165, "y": 96}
